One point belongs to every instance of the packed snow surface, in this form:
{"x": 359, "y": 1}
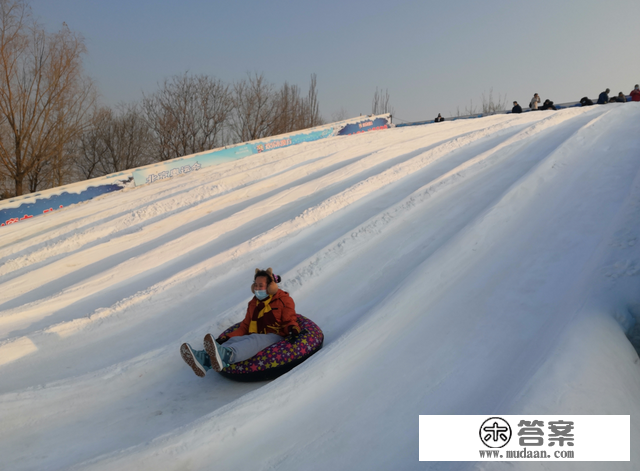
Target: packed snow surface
{"x": 484, "y": 266}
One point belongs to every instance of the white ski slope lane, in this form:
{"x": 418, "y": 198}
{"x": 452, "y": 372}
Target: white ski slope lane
{"x": 233, "y": 175}
{"x": 63, "y": 330}
{"x": 210, "y": 183}
{"x": 489, "y": 310}
{"x": 199, "y": 238}
{"x": 49, "y": 338}
{"x": 179, "y": 191}
{"x": 259, "y": 190}
{"x": 70, "y": 263}
{"x": 333, "y": 268}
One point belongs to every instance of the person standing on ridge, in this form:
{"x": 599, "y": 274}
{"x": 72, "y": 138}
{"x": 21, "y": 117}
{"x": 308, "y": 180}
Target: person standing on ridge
{"x": 603, "y": 97}
{"x": 534, "y": 101}
{"x": 516, "y": 108}
{"x": 635, "y": 93}
{"x": 271, "y": 317}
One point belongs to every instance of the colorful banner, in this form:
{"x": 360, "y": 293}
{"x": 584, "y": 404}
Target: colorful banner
{"x": 368, "y": 124}
{"x": 292, "y": 140}
{"x": 172, "y": 168}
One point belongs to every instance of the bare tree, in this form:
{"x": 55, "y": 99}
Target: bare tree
{"x": 312, "y": 106}
{"x": 7, "y": 185}
{"x": 256, "y": 108}
{"x": 289, "y": 110}
{"x": 468, "y": 110}
{"x": 115, "y": 141}
{"x": 5, "y": 191}
{"x": 262, "y": 111}
{"x": 188, "y": 115}
{"x": 90, "y": 147}
{"x": 57, "y": 168}
{"x": 489, "y": 106}
{"x": 339, "y": 115}
{"x": 380, "y": 102}
{"x": 44, "y": 96}
{"x": 127, "y": 139}
{"x": 293, "y": 112}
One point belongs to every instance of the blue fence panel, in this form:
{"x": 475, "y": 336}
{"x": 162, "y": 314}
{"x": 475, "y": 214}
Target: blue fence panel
{"x": 364, "y": 126}
{"x": 44, "y": 203}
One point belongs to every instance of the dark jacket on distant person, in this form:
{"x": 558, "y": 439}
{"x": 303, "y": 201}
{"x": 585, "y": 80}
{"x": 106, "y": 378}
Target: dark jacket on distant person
{"x": 516, "y": 109}
{"x": 439, "y": 119}
{"x": 585, "y": 101}
{"x": 603, "y": 98}
{"x": 548, "y": 105}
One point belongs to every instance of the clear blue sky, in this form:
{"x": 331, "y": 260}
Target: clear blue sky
{"x": 432, "y": 56}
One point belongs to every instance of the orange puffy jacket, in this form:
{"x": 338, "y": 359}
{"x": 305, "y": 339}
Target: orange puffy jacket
{"x": 273, "y": 315}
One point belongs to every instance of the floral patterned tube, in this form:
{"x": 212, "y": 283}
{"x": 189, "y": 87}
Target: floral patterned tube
{"x": 277, "y": 359}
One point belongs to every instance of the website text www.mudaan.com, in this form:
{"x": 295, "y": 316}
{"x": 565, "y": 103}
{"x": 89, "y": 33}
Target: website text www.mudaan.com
{"x": 525, "y": 454}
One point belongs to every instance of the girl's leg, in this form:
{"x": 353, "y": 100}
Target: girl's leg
{"x": 246, "y": 346}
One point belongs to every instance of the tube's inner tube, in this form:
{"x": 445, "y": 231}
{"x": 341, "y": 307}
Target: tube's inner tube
{"x": 277, "y": 359}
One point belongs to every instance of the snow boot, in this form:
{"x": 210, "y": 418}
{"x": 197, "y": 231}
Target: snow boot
{"x": 219, "y": 355}
{"x": 198, "y": 360}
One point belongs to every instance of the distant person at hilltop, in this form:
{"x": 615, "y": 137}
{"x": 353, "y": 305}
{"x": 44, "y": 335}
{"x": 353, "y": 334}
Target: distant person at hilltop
{"x": 516, "y": 108}
{"x": 604, "y": 97}
{"x": 621, "y": 98}
{"x": 439, "y": 119}
{"x": 635, "y": 93}
{"x": 534, "y": 102}
{"x": 548, "y": 105}
{"x": 585, "y": 101}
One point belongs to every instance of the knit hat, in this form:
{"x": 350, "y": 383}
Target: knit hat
{"x": 272, "y": 280}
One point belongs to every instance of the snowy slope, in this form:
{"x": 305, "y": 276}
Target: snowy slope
{"x": 485, "y": 266}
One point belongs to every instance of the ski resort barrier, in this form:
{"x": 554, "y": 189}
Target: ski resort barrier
{"x": 34, "y": 204}
{"x": 26, "y": 207}
{"x": 164, "y": 170}
{"x": 171, "y": 168}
